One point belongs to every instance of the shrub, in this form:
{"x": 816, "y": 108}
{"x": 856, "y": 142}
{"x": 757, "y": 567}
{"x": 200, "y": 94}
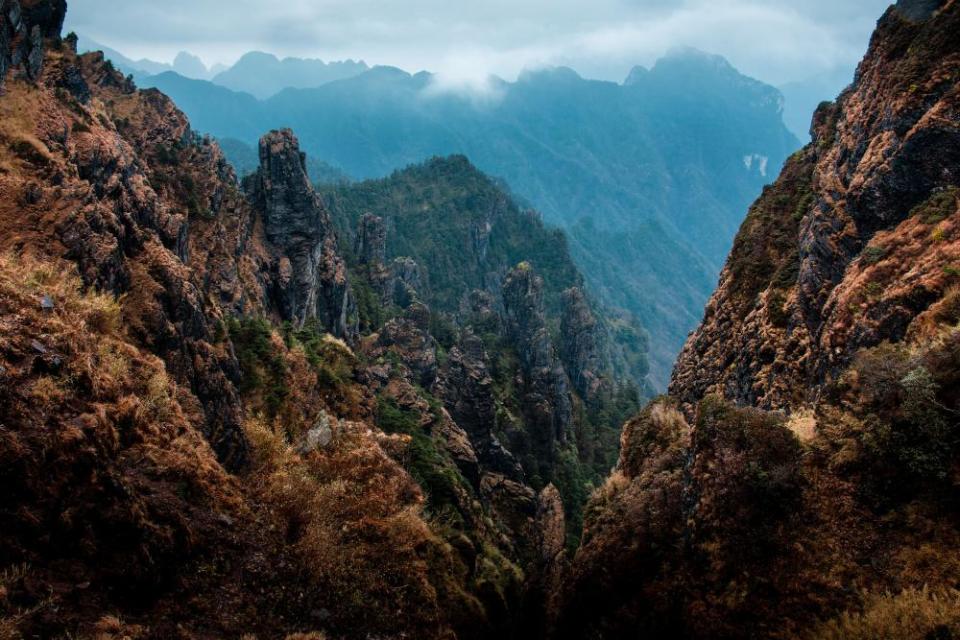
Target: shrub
{"x": 948, "y": 309}
{"x": 331, "y": 359}
{"x": 437, "y": 476}
{"x": 749, "y": 465}
{"x": 924, "y": 445}
{"x": 79, "y": 127}
{"x": 873, "y": 255}
{"x": 263, "y": 370}
{"x": 937, "y": 207}
{"x": 906, "y": 439}
{"x": 777, "y": 309}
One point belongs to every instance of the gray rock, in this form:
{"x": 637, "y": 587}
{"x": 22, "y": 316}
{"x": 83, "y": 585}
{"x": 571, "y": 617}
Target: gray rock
{"x": 312, "y": 277}
{"x": 371, "y": 244}
{"x": 35, "y": 53}
{"x": 405, "y": 282}
{"x": 544, "y": 388}
{"x": 47, "y": 304}
{"x": 579, "y": 343}
{"x": 319, "y": 437}
{"x": 466, "y": 388}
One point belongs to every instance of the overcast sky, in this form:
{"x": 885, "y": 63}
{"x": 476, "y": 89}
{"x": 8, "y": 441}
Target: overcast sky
{"x": 775, "y": 40}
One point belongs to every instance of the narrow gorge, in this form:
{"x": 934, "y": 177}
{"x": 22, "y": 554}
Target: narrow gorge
{"x": 261, "y": 407}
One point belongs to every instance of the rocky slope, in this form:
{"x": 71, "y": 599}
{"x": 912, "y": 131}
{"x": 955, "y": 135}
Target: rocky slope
{"x": 542, "y": 404}
{"x": 800, "y": 480}
{"x": 219, "y": 417}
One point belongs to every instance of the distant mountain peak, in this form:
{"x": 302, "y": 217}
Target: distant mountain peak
{"x": 637, "y": 74}
{"x": 693, "y": 58}
{"x": 549, "y": 73}
{"x": 265, "y": 75}
{"x": 190, "y": 65}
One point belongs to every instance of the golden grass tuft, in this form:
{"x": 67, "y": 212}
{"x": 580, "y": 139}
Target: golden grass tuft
{"x": 914, "y": 614}
{"x": 803, "y": 424}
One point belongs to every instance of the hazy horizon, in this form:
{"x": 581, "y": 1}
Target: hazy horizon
{"x": 770, "y": 40}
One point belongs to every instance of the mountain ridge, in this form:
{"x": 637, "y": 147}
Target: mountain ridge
{"x": 691, "y": 190}
{"x": 805, "y": 457}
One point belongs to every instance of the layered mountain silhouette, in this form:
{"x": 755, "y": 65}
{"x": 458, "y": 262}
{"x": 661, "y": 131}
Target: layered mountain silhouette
{"x": 649, "y": 177}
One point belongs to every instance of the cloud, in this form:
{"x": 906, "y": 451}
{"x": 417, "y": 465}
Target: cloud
{"x": 775, "y": 40}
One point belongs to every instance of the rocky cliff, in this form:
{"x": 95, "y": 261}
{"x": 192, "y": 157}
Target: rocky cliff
{"x": 540, "y": 401}
{"x": 221, "y": 415}
{"x": 852, "y": 243}
{"x": 311, "y": 274}
{"x": 188, "y": 447}
{"x": 800, "y": 479}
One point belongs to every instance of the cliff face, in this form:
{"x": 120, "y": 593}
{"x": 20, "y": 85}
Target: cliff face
{"x": 212, "y": 424}
{"x": 186, "y": 444}
{"x": 312, "y": 276}
{"x": 835, "y": 516}
{"x": 23, "y": 27}
{"x": 853, "y": 242}
{"x": 544, "y": 395}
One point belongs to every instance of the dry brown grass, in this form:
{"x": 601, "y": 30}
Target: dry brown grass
{"x": 803, "y": 424}
{"x": 78, "y": 396}
{"x": 353, "y": 518}
{"x": 914, "y": 614}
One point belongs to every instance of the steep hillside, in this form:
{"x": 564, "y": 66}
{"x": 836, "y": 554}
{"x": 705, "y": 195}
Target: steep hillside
{"x": 800, "y": 480}
{"x": 665, "y": 163}
{"x": 216, "y": 423}
{"x": 445, "y": 236}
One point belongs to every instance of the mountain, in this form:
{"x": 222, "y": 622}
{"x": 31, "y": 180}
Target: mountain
{"x": 679, "y": 151}
{"x": 264, "y": 75}
{"x": 228, "y": 409}
{"x": 185, "y": 64}
{"x": 446, "y": 235}
{"x": 800, "y": 480}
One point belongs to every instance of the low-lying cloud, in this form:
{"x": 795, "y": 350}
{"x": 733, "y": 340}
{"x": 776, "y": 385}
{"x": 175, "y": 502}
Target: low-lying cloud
{"x": 775, "y": 40}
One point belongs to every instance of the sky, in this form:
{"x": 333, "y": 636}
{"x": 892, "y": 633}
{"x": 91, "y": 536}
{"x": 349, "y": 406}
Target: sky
{"x": 778, "y": 41}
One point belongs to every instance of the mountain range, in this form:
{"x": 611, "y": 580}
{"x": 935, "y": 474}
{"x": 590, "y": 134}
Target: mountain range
{"x": 297, "y": 405}
{"x": 647, "y": 177}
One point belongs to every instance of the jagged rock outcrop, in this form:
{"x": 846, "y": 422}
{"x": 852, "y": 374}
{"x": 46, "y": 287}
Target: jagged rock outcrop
{"x": 371, "y": 244}
{"x": 467, "y": 390}
{"x": 836, "y": 256}
{"x": 404, "y": 282}
{"x": 312, "y": 277}
{"x": 174, "y": 454}
{"x": 545, "y": 396}
{"x": 579, "y": 348}
{"x": 24, "y": 24}
{"x": 408, "y": 336}
{"x": 84, "y": 186}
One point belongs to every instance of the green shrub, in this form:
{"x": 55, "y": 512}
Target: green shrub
{"x": 436, "y": 474}
{"x": 907, "y": 440}
{"x": 263, "y": 370}
{"x": 937, "y": 207}
{"x": 873, "y": 255}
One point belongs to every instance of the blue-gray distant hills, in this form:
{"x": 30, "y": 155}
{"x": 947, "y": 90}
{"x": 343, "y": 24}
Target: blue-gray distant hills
{"x": 650, "y": 178}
